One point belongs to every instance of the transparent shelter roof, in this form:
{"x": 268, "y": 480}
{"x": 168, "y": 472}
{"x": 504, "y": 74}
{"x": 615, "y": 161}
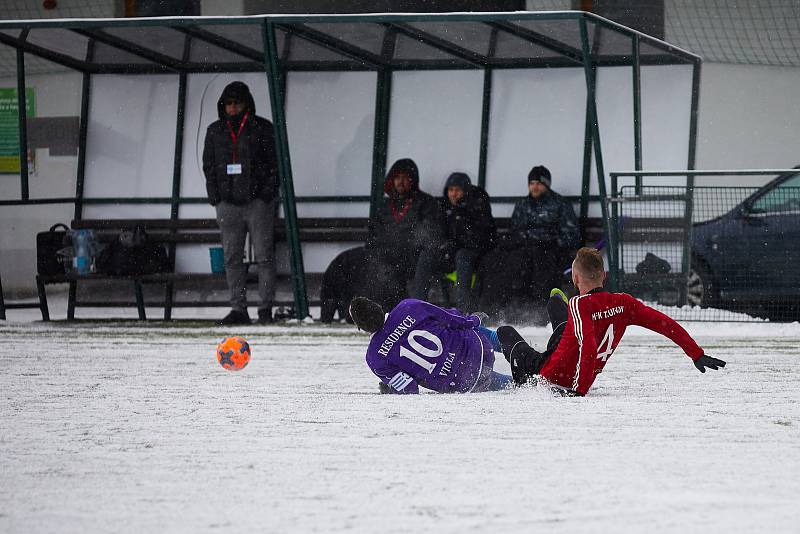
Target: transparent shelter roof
{"x": 332, "y": 42}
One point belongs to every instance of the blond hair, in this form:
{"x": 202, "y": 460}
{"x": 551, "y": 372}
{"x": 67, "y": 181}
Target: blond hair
{"x": 589, "y": 263}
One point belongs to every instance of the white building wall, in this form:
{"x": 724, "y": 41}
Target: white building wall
{"x": 749, "y": 118}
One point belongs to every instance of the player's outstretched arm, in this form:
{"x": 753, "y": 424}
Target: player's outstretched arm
{"x": 707, "y": 361}
{"x": 645, "y": 316}
{"x": 450, "y": 318}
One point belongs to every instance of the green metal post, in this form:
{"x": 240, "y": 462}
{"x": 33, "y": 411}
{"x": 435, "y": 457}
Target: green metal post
{"x": 82, "y": 134}
{"x": 485, "y": 116}
{"x": 176, "y": 183}
{"x": 689, "y": 210}
{"x": 23, "y": 125}
{"x": 380, "y": 146}
{"x": 180, "y": 117}
{"x": 488, "y": 77}
{"x": 614, "y": 236}
{"x": 637, "y": 113}
{"x": 587, "y": 165}
{"x": 285, "y": 170}
{"x": 595, "y": 128}
{"x": 2, "y": 301}
{"x": 694, "y": 114}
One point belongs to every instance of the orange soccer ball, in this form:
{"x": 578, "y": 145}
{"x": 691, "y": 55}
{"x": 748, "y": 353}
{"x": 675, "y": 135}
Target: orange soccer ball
{"x": 233, "y": 353}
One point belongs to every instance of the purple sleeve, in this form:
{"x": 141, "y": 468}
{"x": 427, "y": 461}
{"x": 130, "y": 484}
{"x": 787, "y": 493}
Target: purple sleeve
{"x": 450, "y": 318}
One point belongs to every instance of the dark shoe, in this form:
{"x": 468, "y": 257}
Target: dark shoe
{"x": 284, "y": 312}
{"x": 235, "y": 317}
{"x": 265, "y": 316}
{"x": 525, "y": 360}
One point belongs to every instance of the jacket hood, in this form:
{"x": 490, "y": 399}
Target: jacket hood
{"x": 406, "y": 165}
{"x": 460, "y": 179}
{"x": 238, "y": 91}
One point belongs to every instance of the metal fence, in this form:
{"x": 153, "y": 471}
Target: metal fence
{"x": 709, "y": 253}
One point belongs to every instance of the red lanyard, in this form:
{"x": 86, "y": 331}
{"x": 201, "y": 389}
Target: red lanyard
{"x": 401, "y": 213}
{"x": 235, "y": 136}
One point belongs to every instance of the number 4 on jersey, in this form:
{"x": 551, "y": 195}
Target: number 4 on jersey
{"x": 608, "y": 336}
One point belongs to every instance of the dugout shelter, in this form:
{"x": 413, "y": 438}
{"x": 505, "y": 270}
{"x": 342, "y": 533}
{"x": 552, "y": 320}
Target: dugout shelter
{"x": 489, "y": 93}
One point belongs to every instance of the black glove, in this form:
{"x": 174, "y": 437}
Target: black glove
{"x": 384, "y": 388}
{"x": 707, "y": 361}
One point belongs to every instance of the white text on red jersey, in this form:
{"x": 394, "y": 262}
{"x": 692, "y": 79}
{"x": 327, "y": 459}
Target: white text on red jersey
{"x": 605, "y": 314}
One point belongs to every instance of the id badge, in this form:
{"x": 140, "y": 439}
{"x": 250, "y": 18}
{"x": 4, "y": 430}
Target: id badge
{"x": 234, "y": 168}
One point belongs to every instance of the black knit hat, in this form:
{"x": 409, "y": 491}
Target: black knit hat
{"x": 459, "y": 179}
{"x": 366, "y": 314}
{"x": 540, "y": 173}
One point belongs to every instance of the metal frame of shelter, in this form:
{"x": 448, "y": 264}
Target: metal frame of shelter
{"x": 276, "y": 45}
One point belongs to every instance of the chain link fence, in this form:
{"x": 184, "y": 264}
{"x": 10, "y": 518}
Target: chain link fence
{"x": 710, "y": 253}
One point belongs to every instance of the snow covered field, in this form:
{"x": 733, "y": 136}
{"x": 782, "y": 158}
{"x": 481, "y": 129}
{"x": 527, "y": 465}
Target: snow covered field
{"x": 123, "y": 427}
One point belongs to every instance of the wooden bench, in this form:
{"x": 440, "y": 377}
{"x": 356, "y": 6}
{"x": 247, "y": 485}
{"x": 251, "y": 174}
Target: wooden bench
{"x": 206, "y": 231}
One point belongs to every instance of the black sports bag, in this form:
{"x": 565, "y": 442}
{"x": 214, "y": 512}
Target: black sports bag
{"x": 48, "y": 262}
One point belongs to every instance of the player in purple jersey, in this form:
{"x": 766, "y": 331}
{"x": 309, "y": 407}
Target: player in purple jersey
{"x": 420, "y": 344}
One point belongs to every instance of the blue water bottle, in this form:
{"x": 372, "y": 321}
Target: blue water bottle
{"x": 82, "y": 245}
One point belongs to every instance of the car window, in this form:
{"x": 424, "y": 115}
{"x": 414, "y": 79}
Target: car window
{"x": 782, "y": 199}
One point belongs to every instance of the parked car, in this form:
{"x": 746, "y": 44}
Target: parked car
{"x": 749, "y": 258}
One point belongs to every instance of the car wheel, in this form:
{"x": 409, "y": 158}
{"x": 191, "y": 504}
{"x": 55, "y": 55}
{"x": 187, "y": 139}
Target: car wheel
{"x": 699, "y": 290}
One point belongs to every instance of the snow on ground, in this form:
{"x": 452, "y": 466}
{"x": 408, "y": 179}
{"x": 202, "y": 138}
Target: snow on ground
{"x": 125, "y": 427}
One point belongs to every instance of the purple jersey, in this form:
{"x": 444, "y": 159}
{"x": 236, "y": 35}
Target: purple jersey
{"x": 424, "y": 345}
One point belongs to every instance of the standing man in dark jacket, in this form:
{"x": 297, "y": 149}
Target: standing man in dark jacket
{"x": 240, "y": 167}
{"x": 407, "y": 226}
{"x": 469, "y": 234}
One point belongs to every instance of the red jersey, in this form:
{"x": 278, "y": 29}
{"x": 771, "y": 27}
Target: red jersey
{"x": 595, "y": 326}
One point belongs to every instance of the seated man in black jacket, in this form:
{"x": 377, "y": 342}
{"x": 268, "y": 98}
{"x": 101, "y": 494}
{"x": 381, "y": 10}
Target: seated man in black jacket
{"x": 406, "y": 228}
{"x": 469, "y": 234}
{"x": 544, "y": 234}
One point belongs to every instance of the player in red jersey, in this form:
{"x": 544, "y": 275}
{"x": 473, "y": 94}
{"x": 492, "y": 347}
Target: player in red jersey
{"x": 587, "y": 329}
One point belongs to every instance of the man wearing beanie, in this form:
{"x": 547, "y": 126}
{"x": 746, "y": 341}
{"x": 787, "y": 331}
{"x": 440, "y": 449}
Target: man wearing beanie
{"x": 544, "y": 233}
{"x": 240, "y": 168}
{"x": 469, "y": 234}
{"x": 405, "y": 228}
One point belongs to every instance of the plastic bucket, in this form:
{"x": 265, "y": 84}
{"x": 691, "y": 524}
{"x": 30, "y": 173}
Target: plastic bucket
{"x": 217, "y": 259}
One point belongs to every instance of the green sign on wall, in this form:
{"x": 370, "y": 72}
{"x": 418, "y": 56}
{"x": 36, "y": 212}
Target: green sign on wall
{"x": 9, "y": 127}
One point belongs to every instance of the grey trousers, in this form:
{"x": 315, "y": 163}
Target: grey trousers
{"x": 235, "y": 222}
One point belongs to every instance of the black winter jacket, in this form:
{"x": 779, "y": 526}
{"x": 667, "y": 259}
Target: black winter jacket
{"x": 255, "y": 151}
{"x": 550, "y": 218}
{"x": 470, "y": 224}
{"x": 420, "y": 227}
